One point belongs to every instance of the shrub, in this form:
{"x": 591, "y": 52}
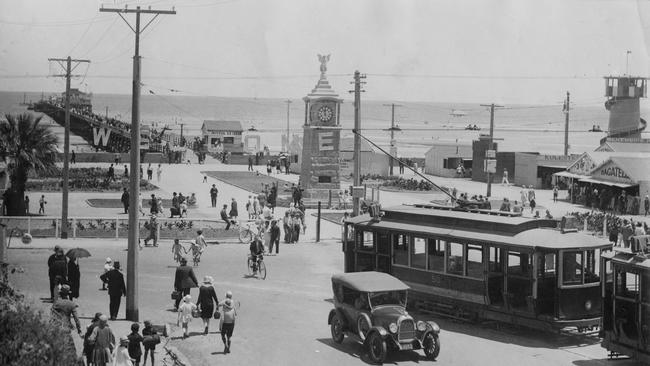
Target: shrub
{"x": 27, "y": 336}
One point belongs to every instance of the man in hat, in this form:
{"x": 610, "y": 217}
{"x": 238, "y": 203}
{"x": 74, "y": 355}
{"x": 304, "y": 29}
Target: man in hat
{"x": 184, "y": 280}
{"x": 275, "y": 236}
{"x": 153, "y": 231}
{"x": 213, "y": 195}
{"x": 116, "y": 288}
{"x": 57, "y": 266}
{"x": 125, "y": 200}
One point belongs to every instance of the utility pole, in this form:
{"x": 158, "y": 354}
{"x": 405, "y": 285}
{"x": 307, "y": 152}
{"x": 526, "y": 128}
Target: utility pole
{"x": 566, "y": 125}
{"x": 66, "y": 144}
{"x": 491, "y": 147}
{"x": 288, "y": 101}
{"x": 393, "y": 148}
{"x": 357, "y": 139}
{"x": 132, "y": 312}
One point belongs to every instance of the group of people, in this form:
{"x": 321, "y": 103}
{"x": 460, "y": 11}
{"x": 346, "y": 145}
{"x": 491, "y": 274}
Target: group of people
{"x": 281, "y": 162}
{"x": 63, "y": 272}
{"x": 207, "y": 305}
{"x": 197, "y": 247}
{"x": 610, "y": 199}
{"x": 621, "y": 230}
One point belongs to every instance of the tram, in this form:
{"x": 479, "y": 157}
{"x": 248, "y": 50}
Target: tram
{"x": 483, "y": 264}
{"x": 626, "y": 301}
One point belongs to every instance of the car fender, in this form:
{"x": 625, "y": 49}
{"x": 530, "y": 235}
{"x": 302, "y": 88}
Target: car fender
{"x": 340, "y": 314}
{"x": 435, "y": 328}
{"x": 376, "y": 329}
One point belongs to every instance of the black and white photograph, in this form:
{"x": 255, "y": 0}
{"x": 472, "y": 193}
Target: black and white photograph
{"x": 292, "y": 182}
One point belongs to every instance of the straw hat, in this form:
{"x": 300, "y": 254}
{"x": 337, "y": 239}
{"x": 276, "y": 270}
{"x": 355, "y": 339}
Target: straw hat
{"x": 187, "y": 298}
{"x": 208, "y": 280}
{"x": 124, "y": 341}
{"x": 229, "y": 294}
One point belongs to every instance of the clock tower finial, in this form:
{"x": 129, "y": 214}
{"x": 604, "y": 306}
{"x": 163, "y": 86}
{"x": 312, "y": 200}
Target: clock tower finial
{"x": 323, "y": 59}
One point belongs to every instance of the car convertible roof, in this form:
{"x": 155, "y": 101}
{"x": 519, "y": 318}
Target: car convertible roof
{"x": 370, "y": 281}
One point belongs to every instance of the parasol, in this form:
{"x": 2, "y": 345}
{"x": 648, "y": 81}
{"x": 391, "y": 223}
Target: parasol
{"x": 77, "y": 253}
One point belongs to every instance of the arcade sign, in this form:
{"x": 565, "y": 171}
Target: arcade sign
{"x": 611, "y": 172}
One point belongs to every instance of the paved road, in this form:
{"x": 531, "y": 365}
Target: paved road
{"x": 283, "y": 319}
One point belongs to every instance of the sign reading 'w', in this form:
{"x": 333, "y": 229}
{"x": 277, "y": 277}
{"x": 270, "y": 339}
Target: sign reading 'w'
{"x": 101, "y": 136}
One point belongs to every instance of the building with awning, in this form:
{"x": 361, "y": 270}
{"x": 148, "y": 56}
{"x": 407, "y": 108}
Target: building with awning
{"x": 443, "y": 158}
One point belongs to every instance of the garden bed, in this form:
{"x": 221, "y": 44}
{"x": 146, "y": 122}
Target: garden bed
{"x": 82, "y": 179}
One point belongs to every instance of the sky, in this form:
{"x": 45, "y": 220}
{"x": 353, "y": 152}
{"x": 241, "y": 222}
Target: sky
{"x": 502, "y": 51}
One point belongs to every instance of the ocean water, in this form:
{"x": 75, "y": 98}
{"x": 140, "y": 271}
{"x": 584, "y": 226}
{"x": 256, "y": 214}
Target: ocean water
{"x": 517, "y": 127}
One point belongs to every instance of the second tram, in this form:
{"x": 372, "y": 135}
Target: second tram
{"x": 484, "y": 264}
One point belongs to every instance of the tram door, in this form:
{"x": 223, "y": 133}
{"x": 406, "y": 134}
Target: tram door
{"x": 495, "y": 276}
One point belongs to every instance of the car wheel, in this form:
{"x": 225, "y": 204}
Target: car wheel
{"x": 363, "y": 325}
{"x": 376, "y": 348}
{"x": 337, "y": 329}
{"x": 431, "y": 345}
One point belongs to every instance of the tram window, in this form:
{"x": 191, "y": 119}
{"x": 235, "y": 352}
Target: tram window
{"x": 418, "y": 255}
{"x": 546, "y": 265}
{"x": 495, "y": 260}
{"x": 572, "y": 265}
{"x": 383, "y": 243}
{"x": 519, "y": 263}
{"x": 400, "y": 249}
{"x": 474, "y": 261}
{"x": 366, "y": 240}
{"x": 436, "y": 254}
{"x": 455, "y": 258}
{"x": 627, "y": 284}
{"x": 592, "y": 266}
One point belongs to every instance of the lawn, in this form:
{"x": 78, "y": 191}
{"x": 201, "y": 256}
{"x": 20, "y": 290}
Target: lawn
{"x": 250, "y": 181}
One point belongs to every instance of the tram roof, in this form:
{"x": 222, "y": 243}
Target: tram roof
{"x": 370, "y": 281}
{"x": 536, "y": 237}
{"x": 623, "y": 256}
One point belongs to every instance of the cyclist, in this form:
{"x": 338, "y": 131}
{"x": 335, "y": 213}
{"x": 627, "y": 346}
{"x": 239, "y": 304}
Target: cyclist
{"x": 257, "y": 250}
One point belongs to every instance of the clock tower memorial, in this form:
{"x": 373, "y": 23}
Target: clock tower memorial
{"x": 320, "y": 171}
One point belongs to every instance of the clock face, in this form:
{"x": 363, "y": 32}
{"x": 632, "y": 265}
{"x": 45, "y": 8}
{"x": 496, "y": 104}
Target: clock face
{"x": 325, "y": 114}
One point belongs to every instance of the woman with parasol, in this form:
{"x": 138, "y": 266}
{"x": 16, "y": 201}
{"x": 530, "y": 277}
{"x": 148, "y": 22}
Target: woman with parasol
{"x": 74, "y": 275}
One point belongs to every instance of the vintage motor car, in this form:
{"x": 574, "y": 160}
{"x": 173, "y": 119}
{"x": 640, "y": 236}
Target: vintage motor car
{"x": 371, "y": 307}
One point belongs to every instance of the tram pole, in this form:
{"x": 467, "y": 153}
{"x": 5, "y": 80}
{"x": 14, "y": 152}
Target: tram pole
{"x": 357, "y": 140}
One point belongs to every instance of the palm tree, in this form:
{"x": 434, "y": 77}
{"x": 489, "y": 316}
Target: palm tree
{"x": 24, "y": 145}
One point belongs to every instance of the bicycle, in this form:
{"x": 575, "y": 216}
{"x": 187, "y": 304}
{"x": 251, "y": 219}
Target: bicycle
{"x": 247, "y": 231}
{"x": 261, "y": 267}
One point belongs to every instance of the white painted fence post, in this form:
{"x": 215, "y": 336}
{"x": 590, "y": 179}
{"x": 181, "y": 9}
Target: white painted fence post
{"x": 29, "y": 225}
{"x": 56, "y": 228}
{"x": 117, "y": 227}
{"x": 74, "y": 227}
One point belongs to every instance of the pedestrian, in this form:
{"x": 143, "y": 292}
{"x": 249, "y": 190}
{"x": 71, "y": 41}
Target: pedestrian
{"x": 57, "y": 266}
{"x": 296, "y": 194}
{"x": 153, "y": 231}
{"x": 286, "y": 223}
{"x": 295, "y": 227}
{"x": 504, "y": 179}
{"x": 185, "y": 314}
{"x": 140, "y": 208}
{"x": 158, "y": 172}
{"x": 159, "y": 205}
{"x": 184, "y": 280}
{"x": 116, "y": 289}
{"x": 646, "y": 205}
{"x": 225, "y": 218}
{"x": 532, "y": 204}
{"x": 108, "y": 265}
{"x": 257, "y": 208}
{"x": 74, "y": 278}
{"x": 73, "y": 157}
{"x": 149, "y": 172}
{"x": 228, "y": 325}
{"x": 205, "y": 302}
{"x": 111, "y": 173}
{"x": 141, "y": 171}
{"x": 27, "y": 204}
{"x": 626, "y": 231}
{"x": 121, "y": 356}
{"x": 135, "y": 339}
{"x": 275, "y": 237}
{"x": 250, "y": 163}
{"x": 176, "y": 250}
{"x": 531, "y": 193}
{"x": 125, "y": 200}
{"x": 88, "y": 346}
{"x": 234, "y": 213}
{"x": 200, "y": 240}
{"x": 150, "y": 339}
{"x": 613, "y": 232}
{"x": 104, "y": 340}
{"x": 126, "y": 171}
{"x": 213, "y": 195}
{"x": 268, "y": 168}
{"x": 524, "y": 196}
{"x": 153, "y": 204}
{"x": 41, "y": 205}
{"x": 205, "y": 179}
{"x": 287, "y": 165}
{"x": 64, "y": 312}
{"x": 555, "y": 193}
{"x": 638, "y": 229}
{"x": 250, "y": 208}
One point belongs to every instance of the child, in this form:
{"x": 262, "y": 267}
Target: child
{"x": 135, "y": 351}
{"x": 176, "y": 249}
{"x": 149, "y": 341}
{"x": 228, "y": 324}
{"x": 41, "y": 205}
{"x": 205, "y": 179}
{"x": 121, "y": 355}
{"x": 185, "y": 314}
{"x": 196, "y": 253}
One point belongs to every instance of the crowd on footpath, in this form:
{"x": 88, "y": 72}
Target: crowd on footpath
{"x": 610, "y": 199}
{"x": 621, "y": 230}
{"x": 99, "y": 341}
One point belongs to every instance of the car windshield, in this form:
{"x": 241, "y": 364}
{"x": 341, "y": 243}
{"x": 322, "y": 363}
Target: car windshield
{"x": 388, "y": 298}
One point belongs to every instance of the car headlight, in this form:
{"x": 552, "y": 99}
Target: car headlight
{"x": 392, "y": 327}
{"x": 588, "y": 305}
{"x": 422, "y": 326}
